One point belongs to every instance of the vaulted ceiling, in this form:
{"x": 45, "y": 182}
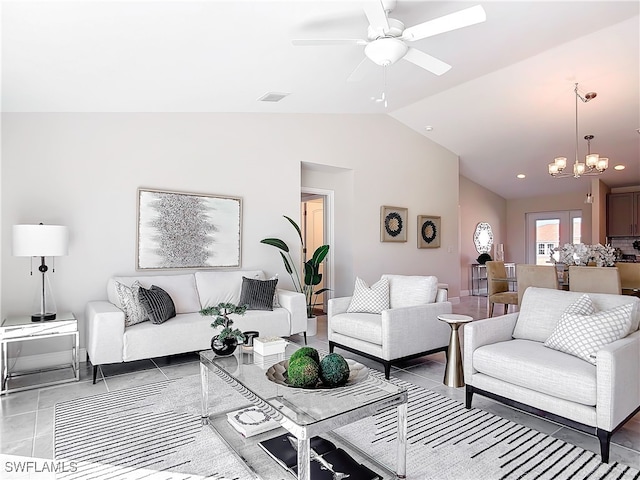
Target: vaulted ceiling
{"x": 506, "y": 106}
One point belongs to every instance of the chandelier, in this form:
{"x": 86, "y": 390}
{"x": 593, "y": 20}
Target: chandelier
{"x": 593, "y": 164}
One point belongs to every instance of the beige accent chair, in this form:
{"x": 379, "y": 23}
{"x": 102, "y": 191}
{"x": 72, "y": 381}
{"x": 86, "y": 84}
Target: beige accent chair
{"x": 629, "y": 277}
{"x": 505, "y": 359}
{"x": 545, "y": 276}
{"x": 499, "y": 290}
{"x": 594, "y": 279}
{"x": 408, "y": 329}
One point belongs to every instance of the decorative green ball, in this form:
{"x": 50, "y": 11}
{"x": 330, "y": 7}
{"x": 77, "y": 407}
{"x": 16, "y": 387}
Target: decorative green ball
{"x": 306, "y": 352}
{"x": 303, "y": 372}
{"x": 334, "y": 370}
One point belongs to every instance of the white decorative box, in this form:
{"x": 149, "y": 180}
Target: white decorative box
{"x": 269, "y": 345}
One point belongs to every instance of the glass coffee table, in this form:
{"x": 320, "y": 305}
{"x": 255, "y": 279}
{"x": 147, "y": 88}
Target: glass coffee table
{"x": 300, "y": 412}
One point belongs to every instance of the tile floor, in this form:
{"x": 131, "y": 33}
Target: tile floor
{"x": 26, "y": 418}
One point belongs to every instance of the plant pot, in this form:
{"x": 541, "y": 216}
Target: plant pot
{"x": 225, "y": 348}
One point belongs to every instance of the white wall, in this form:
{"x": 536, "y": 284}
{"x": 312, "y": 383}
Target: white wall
{"x": 82, "y": 170}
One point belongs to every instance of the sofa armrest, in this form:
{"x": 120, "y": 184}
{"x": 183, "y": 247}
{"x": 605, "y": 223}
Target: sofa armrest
{"x": 618, "y": 381}
{"x": 295, "y": 303}
{"x": 485, "y": 332}
{"x": 442, "y": 295}
{"x": 411, "y": 330}
{"x": 105, "y": 332}
{"x": 336, "y": 306}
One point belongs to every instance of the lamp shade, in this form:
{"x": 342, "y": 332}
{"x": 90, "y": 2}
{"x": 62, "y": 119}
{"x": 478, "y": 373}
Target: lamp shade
{"x": 40, "y": 240}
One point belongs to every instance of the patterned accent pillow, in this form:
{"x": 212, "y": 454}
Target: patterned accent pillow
{"x": 258, "y": 294}
{"x": 583, "y": 335}
{"x": 130, "y": 301}
{"x": 276, "y": 303}
{"x": 158, "y": 304}
{"x": 367, "y": 299}
{"x": 582, "y": 306}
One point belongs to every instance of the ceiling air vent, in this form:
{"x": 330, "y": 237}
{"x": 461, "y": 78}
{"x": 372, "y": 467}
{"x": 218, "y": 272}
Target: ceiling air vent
{"x": 273, "y": 97}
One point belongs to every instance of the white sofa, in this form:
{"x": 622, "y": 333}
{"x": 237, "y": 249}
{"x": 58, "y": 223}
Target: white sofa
{"x": 505, "y": 359}
{"x": 408, "y": 329}
{"x": 108, "y": 341}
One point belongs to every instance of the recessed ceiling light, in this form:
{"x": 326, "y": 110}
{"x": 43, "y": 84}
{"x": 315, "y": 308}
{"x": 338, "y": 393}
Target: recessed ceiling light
{"x": 619, "y": 167}
{"x": 521, "y": 175}
{"x": 428, "y": 128}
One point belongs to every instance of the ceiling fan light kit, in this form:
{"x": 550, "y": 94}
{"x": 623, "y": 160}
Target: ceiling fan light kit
{"x": 387, "y": 37}
{"x": 593, "y": 164}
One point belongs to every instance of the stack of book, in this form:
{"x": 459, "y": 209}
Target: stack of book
{"x": 251, "y": 421}
{"x": 327, "y": 461}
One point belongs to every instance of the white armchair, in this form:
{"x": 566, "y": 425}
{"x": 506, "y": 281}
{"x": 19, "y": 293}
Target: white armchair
{"x": 505, "y": 358}
{"x": 408, "y": 329}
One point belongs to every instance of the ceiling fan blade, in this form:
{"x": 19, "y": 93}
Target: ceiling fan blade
{"x": 328, "y": 41}
{"x": 361, "y": 71}
{"x": 421, "y": 59}
{"x": 374, "y": 10}
{"x": 453, "y": 21}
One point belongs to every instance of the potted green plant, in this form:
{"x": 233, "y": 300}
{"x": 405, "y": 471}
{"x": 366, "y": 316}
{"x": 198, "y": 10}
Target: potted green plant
{"x": 312, "y": 276}
{"x": 227, "y": 340}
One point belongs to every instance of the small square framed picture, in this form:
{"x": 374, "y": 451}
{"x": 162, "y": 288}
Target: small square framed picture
{"x": 393, "y": 224}
{"x": 428, "y": 231}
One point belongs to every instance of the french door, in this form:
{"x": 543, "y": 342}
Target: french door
{"x": 548, "y": 230}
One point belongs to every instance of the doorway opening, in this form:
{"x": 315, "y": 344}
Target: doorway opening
{"x": 548, "y": 230}
{"x": 315, "y": 223}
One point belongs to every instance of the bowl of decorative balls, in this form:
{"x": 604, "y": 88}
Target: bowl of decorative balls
{"x": 305, "y": 369}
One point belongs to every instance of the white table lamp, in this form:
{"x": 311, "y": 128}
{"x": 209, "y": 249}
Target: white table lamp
{"x": 41, "y": 241}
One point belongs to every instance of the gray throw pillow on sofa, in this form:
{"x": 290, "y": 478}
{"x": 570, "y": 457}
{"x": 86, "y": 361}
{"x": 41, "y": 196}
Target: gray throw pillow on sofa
{"x": 258, "y": 294}
{"x": 157, "y": 303}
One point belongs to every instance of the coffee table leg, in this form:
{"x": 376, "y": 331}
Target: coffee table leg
{"x": 401, "y": 468}
{"x": 304, "y": 467}
{"x": 204, "y": 389}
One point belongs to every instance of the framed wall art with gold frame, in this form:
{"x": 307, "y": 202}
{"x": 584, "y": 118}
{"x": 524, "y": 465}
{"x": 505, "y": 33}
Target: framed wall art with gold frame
{"x": 428, "y": 231}
{"x": 393, "y": 224}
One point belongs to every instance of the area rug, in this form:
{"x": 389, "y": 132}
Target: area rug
{"x": 154, "y": 431}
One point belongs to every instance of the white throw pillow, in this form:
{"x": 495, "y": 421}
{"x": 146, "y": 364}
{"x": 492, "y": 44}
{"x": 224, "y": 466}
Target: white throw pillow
{"x": 583, "y": 335}
{"x": 367, "y": 299}
{"x": 129, "y": 298}
{"x": 411, "y": 290}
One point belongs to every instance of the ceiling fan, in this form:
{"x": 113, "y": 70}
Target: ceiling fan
{"x": 387, "y": 37}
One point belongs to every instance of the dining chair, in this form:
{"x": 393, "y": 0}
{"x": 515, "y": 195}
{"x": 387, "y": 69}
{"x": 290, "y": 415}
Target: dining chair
{"x": 545, "y": 276}
{"x": 594, "y": 279}
{"x": 498, "y": 287}
{"x": 629, "y": 277}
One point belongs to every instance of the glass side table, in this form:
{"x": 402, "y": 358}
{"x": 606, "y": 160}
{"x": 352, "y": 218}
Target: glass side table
{"x": 22, "y": 329}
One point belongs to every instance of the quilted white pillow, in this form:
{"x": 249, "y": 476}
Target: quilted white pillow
{"x": 583, "y": 335}
{"x": 367, "y": 299}
{"x": 411, "y": 290}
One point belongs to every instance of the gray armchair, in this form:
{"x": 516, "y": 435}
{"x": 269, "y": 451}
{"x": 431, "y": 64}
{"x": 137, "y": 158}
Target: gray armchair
{"x": 409, "y": 329}
{"x": 505, "y": 359}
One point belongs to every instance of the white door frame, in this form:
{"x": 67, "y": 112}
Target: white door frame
{"x": 328, "y": 232}
{"x": 566, "y": 224}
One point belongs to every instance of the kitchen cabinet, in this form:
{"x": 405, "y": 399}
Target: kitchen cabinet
{"x": 623, "y": 214}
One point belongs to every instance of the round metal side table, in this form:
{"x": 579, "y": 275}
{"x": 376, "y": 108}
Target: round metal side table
{"x": 453, "y": 374}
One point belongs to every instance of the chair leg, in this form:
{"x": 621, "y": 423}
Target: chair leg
{"x": 305, "y": 338}
{"x": 387, "y": 370}
{"x": 95, "y": 373}
{"x": 605, "y": 442}
{"x": 468, "y": 397}
{"x": 331, "y": 347}
{"x": 506, "y": 308}
{"x": 490, "y": 309}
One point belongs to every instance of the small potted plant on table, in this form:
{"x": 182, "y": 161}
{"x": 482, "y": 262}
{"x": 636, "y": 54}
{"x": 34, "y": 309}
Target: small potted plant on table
{"x": 227, "y": 340}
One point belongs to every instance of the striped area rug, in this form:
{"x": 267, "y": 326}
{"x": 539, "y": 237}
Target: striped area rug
{"x": 154, "y": 431}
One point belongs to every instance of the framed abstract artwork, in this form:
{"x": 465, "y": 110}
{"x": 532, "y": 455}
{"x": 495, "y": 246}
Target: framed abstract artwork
{"x": 393, "y": 224}
{"x": 428, "y": 231}
{"x": 187, "y": 230}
